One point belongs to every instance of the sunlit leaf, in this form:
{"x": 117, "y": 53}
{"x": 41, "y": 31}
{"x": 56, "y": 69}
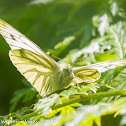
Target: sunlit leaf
{"x": 104, "y": 24}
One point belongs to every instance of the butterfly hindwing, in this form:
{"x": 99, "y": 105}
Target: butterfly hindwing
{"x": 103, "y": 66}
{"x": 86, "y": 75}
{"x": 92, "y": 72}
{"x": 35, "y": 68}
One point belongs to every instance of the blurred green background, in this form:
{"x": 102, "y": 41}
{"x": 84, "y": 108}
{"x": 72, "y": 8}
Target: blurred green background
{"x": 45, "y": 22}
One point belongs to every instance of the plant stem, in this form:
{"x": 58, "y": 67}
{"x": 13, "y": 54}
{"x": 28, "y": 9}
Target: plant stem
{"x": 90, "y": 96}
{"x": 27, "y": 116}
{"x": 80, "y": 98}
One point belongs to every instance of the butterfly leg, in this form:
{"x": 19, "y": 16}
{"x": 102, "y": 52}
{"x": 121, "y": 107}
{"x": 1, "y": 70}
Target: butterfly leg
{"x": 75, "y": 80}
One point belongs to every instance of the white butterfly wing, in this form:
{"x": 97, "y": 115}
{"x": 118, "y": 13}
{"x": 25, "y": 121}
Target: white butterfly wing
{"x": 104, "y": 66}
{"x": 36, "y": 69}
{"x": 35, "y": 65}
{"x": 92, "y": 72}
{"x": 16, "y": 40}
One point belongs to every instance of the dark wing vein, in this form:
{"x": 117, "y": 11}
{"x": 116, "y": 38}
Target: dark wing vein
{"x": 33, "y": 58}
{"x": 34, "y": 70}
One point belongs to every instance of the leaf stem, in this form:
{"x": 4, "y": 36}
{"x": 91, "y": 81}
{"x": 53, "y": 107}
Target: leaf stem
{"x": 80, "y": 98}
{"x": 90, "y": 96}
{"x": 29, "y": 115}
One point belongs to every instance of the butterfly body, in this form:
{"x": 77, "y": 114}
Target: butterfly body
{"x": 61, "y": 78}
{"x": 45, "y": 74}
{"x": 66, "y": 74}
{"x": 52, "y": 77}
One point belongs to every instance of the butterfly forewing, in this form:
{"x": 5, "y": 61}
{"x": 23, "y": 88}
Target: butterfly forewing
{"x": 16, "y": 40}
{"x": 36, "y": 69}
{"x": 36, "y": 66}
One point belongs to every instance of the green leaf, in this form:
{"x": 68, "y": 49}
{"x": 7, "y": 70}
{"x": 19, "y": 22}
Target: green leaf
{"x": 73, "y": 90}
{"x": 104, "y": 24}
{"x": 44, "y": 105}
{"x": 86, "y": 115}
{"x": 91, "y": 87}
{"x": 22, "y": 95}
{"x": 114, "y": 9}
{"x": 61, "y": 46}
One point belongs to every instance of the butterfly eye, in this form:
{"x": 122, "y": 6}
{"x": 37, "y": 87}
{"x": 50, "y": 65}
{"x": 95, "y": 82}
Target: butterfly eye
{"x": 65, "y": 70}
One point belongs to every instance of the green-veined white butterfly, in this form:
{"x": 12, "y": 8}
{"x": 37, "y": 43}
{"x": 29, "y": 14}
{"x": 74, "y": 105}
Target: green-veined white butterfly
{"x": 44, "y": 74}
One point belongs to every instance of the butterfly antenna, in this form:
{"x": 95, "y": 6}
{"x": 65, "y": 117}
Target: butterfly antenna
{"x": 48, "y": 53}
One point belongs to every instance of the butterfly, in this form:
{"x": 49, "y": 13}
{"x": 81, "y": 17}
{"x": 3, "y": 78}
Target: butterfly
{"x": 46, "y": 75}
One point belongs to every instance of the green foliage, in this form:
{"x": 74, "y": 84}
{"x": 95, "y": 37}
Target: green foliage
{"x": 90, "y": 31}
{"x": 61, "y": 46}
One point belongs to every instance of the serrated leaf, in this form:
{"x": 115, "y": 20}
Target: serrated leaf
{"x": 123, "y": 121}
{"x": 86, "y": 115}
{"x": 104, "y": 24}
{"x": 114, "y": 9}
{"x": 20, "y": 124}
{"x": 72, "y": 91}
{"x": 44, "y": 105}
{"x": 41, "y": 1}
{"x": 109, "y": 86}
{"x": 61, "y": 46}
{"x": 18, "y": 95}
{"x": 90, "y": 87}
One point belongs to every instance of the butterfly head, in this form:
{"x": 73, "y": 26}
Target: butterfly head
{"x": 66, "y": 68}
